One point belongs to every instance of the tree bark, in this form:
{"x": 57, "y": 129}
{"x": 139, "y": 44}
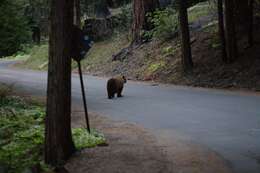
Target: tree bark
{"x": 58, "y": 138}
{"x": 141, "y": 8}
{"x": 36, "y": 34}
{"x": 231, "y": 40}
{"x": 77, "y": 13}
{"x": 185, "y": 36}
{"x": 221, "y": 30}
{"x": 251, "y": 22}
{"x": 241, "y": 10}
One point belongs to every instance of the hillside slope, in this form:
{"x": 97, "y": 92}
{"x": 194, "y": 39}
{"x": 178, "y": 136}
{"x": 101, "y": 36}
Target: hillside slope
{"x": 160, "y": 61}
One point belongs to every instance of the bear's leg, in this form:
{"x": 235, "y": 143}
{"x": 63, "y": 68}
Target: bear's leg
{"x": 110, "y": 95}
{"x": 119, "y": 93}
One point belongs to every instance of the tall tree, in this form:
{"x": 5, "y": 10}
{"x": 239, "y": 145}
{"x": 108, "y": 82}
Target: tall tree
{"x": 101, "y": 8}
{"x": 77, "y": 13}
{"x": 58, "y": 138}
{"x": 251, "y": 22}
{"x": 185, "y": 36}
{"x": 141, "y": 8}
{"x": 37, "y": 11}
{"x": 231, "y": 40}
{"x": 241, "y": 10}
{"x": 222, "y": 30}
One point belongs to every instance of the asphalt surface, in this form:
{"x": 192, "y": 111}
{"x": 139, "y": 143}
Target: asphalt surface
{"x": 223, "y": 121}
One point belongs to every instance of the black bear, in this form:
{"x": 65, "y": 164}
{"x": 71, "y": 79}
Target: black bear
{"x": 115, "y": 85}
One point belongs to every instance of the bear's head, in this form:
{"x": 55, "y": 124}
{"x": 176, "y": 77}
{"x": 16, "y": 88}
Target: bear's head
{"x": 124, "y": 79}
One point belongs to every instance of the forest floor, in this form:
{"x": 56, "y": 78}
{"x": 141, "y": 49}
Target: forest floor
{"x": 131, "y": 148}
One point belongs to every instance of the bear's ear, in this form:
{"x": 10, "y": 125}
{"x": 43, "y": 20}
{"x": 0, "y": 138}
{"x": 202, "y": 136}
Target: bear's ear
{"x": 124, "y": 78}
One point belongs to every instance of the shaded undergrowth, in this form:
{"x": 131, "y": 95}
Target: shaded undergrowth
{"x": 22, "y": 134}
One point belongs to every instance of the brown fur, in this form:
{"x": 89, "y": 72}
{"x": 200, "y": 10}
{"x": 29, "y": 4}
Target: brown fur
{"x": 115, "y": 86}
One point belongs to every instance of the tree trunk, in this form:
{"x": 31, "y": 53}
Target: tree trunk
{"x": 77, "y": 13}
{"x": 101, "y": 9}
{"x": 141, "y": 8}
{"x": 230, "y": 31}
{"x": 185, "y": 36}
{"x": 251, "y": 22}
{"x": 36, "y": 34}
{"x": 222, "y": 30}
{"x": 58, "y": 138}
{"x": 241, "y": 11}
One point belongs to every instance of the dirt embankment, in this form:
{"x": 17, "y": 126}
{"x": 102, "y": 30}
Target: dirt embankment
{"x": 132, "y": 149}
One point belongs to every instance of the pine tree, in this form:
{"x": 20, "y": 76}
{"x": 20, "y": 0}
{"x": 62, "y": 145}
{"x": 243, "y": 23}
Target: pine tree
{"x": 141, "y": 8}
{"x": 222, "y": 30}
{"x": 230, "y": 29}
{"x": 185, "y": 36}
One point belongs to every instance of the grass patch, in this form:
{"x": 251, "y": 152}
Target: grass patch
{"x": 101, "y": 53}
{"x": 83, "y": 139}
{"x": 16, "y": 57}
{"x": 169, "y": 50}
{"x": 37, "y": 58}
{"x": 4, "y": 91}
{"x": 154, "y": 67}
{"x": 199, "y": 10}
{"x": 23, "y": 54}
{"x": 22, "y": 134}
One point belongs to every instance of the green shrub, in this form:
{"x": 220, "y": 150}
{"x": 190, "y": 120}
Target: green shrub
{"x": 4, "y": 91}
{"x": 83, "y": 139}
{"x": 156, "y": 66}
{"x": 123, "y": 20}
{"x": 165, "y": 24}
{"x": 127, "y": 15}
{"x": 14, "y": 28}
{"x": 22, "y": 135}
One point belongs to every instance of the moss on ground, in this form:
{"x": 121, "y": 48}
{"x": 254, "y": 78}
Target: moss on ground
{"x": 37, "y": 59}
{"x": 152, "y": 68}
{"x": 22, "y": 133}
{"x": 199, "y": 10}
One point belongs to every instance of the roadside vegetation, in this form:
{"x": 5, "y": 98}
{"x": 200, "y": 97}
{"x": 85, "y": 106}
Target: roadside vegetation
{"x": 22, "y": 133}
{"x": 99, "y": 59}
{"x": 36, "y": 58}
{"x": 159, "y": 59}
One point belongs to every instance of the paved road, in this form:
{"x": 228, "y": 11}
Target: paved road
{"x": 226, "y": 122}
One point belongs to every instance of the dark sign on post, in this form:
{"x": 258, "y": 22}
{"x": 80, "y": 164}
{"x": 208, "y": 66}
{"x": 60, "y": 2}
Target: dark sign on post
{"x": 81, "y": 44}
